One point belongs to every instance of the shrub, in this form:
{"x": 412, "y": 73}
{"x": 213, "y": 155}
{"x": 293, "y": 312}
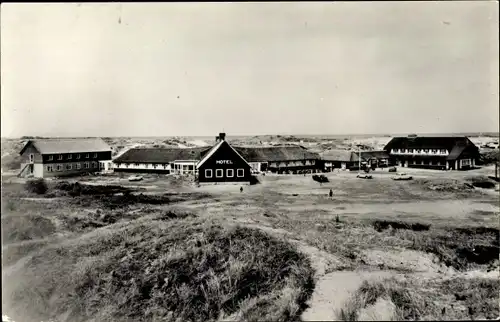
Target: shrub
{"x": 380, "y": 225}
{"x": 38, "y": 186}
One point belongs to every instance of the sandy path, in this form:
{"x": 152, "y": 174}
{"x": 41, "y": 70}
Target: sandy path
{"x": 333, "y": 290}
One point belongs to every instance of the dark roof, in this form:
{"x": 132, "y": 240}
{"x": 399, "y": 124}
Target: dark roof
{"x": 206, "y": 155}
{"x": 455, "y": 145}
{"x": 337, "y": 155}
{"x": 276, "y": 153}
{"x": 160, "y": 155}
{"x": 54, "y": 146}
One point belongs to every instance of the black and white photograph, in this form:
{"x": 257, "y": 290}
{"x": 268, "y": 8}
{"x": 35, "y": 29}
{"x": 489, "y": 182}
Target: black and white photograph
{"x": 250, "y": 161}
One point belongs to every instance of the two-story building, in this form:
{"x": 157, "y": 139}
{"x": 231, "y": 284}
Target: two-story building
{"x": 223, "y": 164}
{"x": 443, "y": 153}
{"x": 43, "y": 158}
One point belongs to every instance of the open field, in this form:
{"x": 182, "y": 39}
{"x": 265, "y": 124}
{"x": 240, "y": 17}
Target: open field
{"x": 280, "y": 250}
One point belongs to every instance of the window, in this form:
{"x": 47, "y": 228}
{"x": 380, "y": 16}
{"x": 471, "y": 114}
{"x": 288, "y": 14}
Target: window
{"x": 230, "y": 173}
{"x": 443, "y": 151}
{"x": 78, "y": 166}
{"x": 70, "y": 156}
{"x": 78, "y": 156}
{"x": 208, "y": 173}
{"x": 136, "y": 164}
{"x": 240, "y": 173}
{"x": 94, "y": 164}
{"x": 126, "y": 165}
{"x": 50, "y": 168}
{"x": 86, "y": 165}
{"x": 95, "y": 155}
{"x": 68, "y": 167}
{"x": 87, "y": 155}
{"x": 51, "y": 157}
{"x": 154, "y": 165}
{"x": 219, "y": 173}
{"x": 165, "y": 166}
{"x": 59, "y": 167}
{"x": 32, "y": 157}
{"x": 59, "y": 157}
{"x": 146, "y": 165}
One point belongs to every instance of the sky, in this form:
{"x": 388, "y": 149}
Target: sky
{"x": 196, "y": 69}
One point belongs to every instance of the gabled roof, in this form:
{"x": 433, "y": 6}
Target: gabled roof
{"x": 276, "y": 153}
{"x": 337, "y": 155}
{"x": 455, "y": 145}
{"x": 215, "y": 148}
{"x": 55, "y": 146}
{"x": 160, "y": 155}
{"x": 428, "y": 142}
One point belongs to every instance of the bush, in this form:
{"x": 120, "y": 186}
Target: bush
{"x": 380, "y": 225}
{"x": 38, "y": 186}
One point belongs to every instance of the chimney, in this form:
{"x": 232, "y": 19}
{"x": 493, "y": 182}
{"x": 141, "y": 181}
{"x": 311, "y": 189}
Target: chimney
{"x": 222, "y": 136}
{"x": 216, "y": 139}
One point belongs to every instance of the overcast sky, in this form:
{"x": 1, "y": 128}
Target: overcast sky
{"x": 154, "y": 69}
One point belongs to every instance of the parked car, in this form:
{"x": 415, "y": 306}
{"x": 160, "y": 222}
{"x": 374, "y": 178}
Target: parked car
{"x": 393, "y": 169}
{"x": 402, "y": 176}
{"x": 364, "y": 176}
{"x": 135, "y": 178}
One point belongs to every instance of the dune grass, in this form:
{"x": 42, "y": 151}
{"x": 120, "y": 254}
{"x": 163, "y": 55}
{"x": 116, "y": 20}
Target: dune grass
{"x": 450, "y": 299}
{"x": 409, "y": 305}
{"x": 187, "y": 269}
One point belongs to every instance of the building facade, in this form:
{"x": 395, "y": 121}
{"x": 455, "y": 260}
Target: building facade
{"x": 42, "y": 158}
{"x": 280, "y": 159}
{"x": 180, "y": 161}
{"x": 223, "y": 164}
{"x": 336, "y": 159}
{"x": 440, "y": 153}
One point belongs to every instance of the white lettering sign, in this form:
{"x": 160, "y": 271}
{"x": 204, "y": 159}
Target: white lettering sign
{"x": 223, "y": 162}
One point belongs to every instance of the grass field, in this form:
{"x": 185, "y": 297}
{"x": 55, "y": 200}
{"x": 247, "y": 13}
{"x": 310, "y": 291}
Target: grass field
{"x": 168, "y": 250}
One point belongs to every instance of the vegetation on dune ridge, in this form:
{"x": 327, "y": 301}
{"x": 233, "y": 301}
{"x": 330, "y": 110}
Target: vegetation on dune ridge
{"x": 459, "y": 247}
{"x": 188, "y": 269}
{"x": 456, "y": 298}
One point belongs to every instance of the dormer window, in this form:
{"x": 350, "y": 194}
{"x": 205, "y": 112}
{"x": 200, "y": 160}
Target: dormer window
{"x": 87, "y": 155}
{"x": 95, "y": 155}
{"x": 60, "y": 157}
{"x": 70, "y": 156}
{"x": 78, "y": 156}
{"x": 51, "y": 157}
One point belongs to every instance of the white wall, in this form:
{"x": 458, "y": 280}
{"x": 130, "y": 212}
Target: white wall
{"x": 141, "y": 166}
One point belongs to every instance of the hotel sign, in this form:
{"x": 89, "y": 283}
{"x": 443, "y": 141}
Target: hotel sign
{"x": 223, "y": 162}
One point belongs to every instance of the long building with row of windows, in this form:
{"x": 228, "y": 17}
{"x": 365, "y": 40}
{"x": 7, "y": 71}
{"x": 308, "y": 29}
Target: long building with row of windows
{"x": 63, "y": 157}
{"x": 223, "y": 162}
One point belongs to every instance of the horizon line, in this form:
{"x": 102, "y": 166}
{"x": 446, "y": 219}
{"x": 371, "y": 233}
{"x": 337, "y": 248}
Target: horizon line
{"x": 471, "y": 133}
